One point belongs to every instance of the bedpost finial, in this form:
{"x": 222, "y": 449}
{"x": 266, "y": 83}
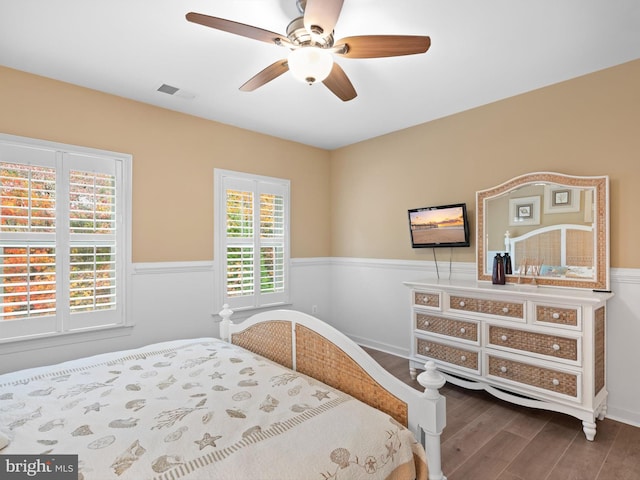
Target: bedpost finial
{"x": 225, "y": 313}
{"x": 431, "y": 379}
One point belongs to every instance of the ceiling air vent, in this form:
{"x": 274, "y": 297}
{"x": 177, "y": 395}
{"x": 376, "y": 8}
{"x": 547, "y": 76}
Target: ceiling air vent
{"x": 175, "y": 91}
{"x": 164, "y": 88}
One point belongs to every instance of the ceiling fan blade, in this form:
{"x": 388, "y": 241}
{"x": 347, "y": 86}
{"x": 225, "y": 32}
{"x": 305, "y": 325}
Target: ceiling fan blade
{"x": 339, "y": 84}
{"x": 265, "y": 76}
{"x": 238, "y": 28}
{"x": 320, "y": 16}
{"x": 376, "y": 46}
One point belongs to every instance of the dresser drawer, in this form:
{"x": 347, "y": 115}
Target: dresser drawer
{"x": 447, "y": 353}
{"x": 490, "y": 307}
{"x": 548, "y": 379}
{"x": 447, "y": 326}
{"x": 550, "y": 345}
{"x": 426, "y": 299}
{"x": 557, "y": 315}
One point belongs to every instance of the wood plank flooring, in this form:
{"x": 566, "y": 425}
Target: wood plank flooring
{"x": 489, "y": 439}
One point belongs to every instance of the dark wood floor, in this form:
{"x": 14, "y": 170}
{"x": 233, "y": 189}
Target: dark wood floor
{"x": 489, "y": 439}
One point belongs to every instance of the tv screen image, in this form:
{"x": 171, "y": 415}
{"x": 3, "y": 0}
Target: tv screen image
{"x": 439, "y": 226}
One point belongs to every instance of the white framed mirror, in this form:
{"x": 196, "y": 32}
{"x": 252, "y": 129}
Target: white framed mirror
{"x": 554, "y": 227}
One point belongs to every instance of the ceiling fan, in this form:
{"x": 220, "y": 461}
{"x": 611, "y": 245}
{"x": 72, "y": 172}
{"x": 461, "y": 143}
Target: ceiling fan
{"x": 310, "y": 39}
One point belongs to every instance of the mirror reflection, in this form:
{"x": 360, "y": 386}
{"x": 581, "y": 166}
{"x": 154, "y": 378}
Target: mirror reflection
{"x": 552, "y": 227}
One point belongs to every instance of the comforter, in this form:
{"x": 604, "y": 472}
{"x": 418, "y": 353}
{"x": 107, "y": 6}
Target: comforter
{"x": 200, "y": 409}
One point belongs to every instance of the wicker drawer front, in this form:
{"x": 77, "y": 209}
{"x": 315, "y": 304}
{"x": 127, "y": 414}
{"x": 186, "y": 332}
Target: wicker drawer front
{"x": 558, "y": 316}
{"x": 551, "y": 345}
{"x": 447, "y": 353}
{"x": 426, "y": 299}
{"x": 551, "y": 380}
{"x": 491, "y": 307}
{"x": 447, "y": 326}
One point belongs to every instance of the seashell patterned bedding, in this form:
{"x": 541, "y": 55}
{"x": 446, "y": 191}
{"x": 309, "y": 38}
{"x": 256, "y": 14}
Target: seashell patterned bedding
{"x": 197, "y": 409}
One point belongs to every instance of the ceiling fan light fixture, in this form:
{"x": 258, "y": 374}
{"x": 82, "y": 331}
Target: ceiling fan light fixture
{"x": 310, "y": 64}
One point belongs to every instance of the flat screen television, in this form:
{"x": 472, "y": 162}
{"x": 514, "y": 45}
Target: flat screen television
{"x": 439, "y": 226}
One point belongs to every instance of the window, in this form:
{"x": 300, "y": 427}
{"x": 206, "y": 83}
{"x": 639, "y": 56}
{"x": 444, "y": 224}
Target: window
{"x": 63, "y": 238}
{"x": 252, "y": 239}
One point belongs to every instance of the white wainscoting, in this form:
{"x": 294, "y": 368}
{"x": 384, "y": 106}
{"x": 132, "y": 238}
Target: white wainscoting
{"x": 364, "y": 298}
{"x": 623, "y": 338}
{"x": 166, "y": 301}
{"x": 370, "y": 305}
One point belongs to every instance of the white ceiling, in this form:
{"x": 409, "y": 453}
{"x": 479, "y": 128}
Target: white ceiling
{"x": 481, "y": 51}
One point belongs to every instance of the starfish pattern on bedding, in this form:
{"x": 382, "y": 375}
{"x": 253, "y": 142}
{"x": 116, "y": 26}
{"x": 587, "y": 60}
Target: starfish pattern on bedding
{"x": 321, "y": 394}
{"x": 391, "y": 449}
{"x": 207, "y": 440}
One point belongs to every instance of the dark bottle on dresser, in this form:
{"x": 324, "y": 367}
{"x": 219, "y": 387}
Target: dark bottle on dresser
{"x": 498, "y": 277}
{"x": 508, "y": 270}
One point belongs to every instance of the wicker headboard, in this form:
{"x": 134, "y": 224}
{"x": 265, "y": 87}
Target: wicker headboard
{"x": 557, "y": 245}
{"x": 321, "y": 359}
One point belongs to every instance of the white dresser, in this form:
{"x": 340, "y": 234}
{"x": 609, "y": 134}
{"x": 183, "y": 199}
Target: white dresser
{"x": 541, "y": 347}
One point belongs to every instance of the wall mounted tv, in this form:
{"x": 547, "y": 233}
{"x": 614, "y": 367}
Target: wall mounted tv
{"x": 439, "y": 226}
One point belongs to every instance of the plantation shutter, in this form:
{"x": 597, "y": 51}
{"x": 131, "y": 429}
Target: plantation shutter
{"x": 271, "y": 243}
{"x": 60, "y": 267}
{"x": 254, "y": 241}
{"x": 240, "y": 242}
{"x": 93, "y": 270}
{"x": 28, "y": 272}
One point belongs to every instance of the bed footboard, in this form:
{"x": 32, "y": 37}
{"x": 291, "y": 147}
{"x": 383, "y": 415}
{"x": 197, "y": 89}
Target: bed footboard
{"x": 308, "y": 345}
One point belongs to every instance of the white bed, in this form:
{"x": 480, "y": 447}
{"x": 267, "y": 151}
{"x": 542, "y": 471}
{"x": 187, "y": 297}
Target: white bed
{"x": 561, "y": 251}
{"x": 205, "y": 408}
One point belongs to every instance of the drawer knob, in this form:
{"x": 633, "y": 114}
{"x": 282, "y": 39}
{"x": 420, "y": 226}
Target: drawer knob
{"x": 555, "y": 382}
{"x": 463, "y": 330}
{"x": 426, "y": 349}
{"x": 426, "y": 324}
{"x": 505, "y": 309}
{"x": 555, "y": 315}
{"x": 503, "y": 338}
{"x": 462, "y": 303}
{"x": 463, "y": 358}
{"x": 503, "y": 369}
{"x": 556, "y": 347}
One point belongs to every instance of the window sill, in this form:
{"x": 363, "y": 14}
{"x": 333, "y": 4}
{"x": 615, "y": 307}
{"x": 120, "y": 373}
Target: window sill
{"x": 242, "y": 313}
{"x": 65, "y": 338}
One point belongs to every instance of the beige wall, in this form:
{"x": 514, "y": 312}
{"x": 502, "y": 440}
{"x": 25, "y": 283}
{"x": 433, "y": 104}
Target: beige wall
{"x": 357, "y": 196}
{"x": 173, "y": 160}
{"x": 585, "y": 126}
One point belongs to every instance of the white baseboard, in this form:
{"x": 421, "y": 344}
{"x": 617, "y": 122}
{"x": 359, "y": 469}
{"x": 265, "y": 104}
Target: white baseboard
{"x": 380, "y": 346}
{"x": 624, "y": 416}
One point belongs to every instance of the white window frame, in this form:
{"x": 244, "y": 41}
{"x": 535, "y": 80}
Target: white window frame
{"x": 63, "y": 328}
{"x": 256, "y": 184}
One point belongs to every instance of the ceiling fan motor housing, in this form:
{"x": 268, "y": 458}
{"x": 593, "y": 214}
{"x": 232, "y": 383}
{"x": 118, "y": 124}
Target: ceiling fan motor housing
{"x": 300, "y": 36}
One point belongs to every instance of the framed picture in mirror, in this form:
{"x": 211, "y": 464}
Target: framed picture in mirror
{"x": 524, "y": 211}
{"x": 558, "y": 199}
